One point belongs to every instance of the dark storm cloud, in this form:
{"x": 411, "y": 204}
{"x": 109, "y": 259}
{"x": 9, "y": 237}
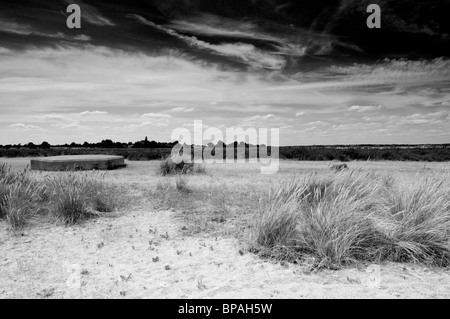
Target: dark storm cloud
{"x": 409, "y": 28}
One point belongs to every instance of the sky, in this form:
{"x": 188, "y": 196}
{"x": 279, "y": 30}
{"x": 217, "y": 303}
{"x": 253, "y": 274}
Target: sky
{"x": 145, "y": 68}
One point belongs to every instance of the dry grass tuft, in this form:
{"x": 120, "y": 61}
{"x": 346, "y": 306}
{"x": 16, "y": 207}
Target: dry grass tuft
{"x": 68, "y": 196}
{"x": 418, "y": 223}
{"x": 20, "y": 196}
{"x": 80, "y": 195}
{"x": 169, "y": 167}
{"x": 355, "y": 216}
{"x": 22, "y": 203}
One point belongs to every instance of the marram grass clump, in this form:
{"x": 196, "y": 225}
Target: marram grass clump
{"x": 356, "y": 216}
{"x": 68, "y": 196}
{"x": 418, "y": 221}
{"x": 80, "y": 195}
{"x": 20, "y": 196}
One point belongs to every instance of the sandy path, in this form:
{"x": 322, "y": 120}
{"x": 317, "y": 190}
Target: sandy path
{"x": 126, "y": 257}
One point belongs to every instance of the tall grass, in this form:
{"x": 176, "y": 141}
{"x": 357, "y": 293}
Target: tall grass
{"x": 19, "y": 196}
{"x": 21, "y": 204}
{"x": 68, "y": 196}
{"x": 418, "y": 223}
{"x": 356, "y": 216}
{"x": 4, "y": 192}
{"x": 80, "y": 195}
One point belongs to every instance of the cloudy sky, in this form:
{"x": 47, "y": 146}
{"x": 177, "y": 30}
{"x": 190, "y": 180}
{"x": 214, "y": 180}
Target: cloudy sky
{"x": 145, "y": 68}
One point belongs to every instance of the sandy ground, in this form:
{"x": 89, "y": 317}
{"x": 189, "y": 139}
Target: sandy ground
{"x": 144, "y": 254}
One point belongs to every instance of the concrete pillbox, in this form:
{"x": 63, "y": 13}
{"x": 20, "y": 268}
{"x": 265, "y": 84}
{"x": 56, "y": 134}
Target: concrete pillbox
{"x": 77, "y": 162}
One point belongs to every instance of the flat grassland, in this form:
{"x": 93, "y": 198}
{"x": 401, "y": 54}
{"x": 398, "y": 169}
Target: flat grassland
{"x": 189, "y": 236}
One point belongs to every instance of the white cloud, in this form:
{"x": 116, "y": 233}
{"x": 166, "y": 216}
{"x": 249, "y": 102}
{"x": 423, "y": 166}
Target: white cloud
{"x": 4, "y": 50}
{"x": 72, "y": 125}
{"x": 211, "y": 25}
{"x": 365, "y": 108}
{"x": 52, "y": 117}
{"x": 88, "y": 113}
{"x": 131, "y": 127}
{"x": 155, "y": 116}
{"x": 151, "y": 119}
{"x": 247, "y": 53}
{"x": 395, "y": 72}
{"x": 316, "y": 123}
{"x": 422, "y": 119}
{"x": 218, "y": 26}
{"x": 82, "y": 37}
{"x": 97, "y": 19}
{"x": 258, "y": 120}
{"x": 13, "y": 27}
{"x": 182, "y": 109}
{"x": 298, "y": 114}
{"x": 26, "y": 127}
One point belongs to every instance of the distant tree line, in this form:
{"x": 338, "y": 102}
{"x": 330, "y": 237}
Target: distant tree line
{"x": 423, "y": 153}
{"x": 103, "y": 144}
{"x": 151, "y": 150}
